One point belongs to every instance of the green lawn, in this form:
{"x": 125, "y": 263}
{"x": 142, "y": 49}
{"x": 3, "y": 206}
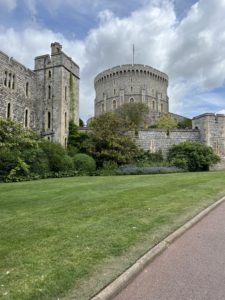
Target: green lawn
{"x": 69, "y": 237}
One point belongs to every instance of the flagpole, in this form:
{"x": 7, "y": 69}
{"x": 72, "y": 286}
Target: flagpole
{"x": 133, "y": 54}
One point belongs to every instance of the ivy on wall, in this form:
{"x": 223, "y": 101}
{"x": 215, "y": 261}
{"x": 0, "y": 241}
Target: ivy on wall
{"x": 72, "y": 97}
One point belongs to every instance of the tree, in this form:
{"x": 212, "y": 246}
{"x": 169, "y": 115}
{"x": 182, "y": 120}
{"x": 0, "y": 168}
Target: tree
{"x": 81, "y": 123}
{"x": 192, "y": 156}
{"x": 77, "y": 141}
{"x": 185, "y": 124}
{"x": 110, "y": 141}
{"x": 167, "y": 122}
{"x": 133, "y": 113}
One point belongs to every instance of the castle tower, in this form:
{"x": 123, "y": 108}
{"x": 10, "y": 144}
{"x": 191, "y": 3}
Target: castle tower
{"x": 57, "y": 94}
{"x": 132, "y": 83}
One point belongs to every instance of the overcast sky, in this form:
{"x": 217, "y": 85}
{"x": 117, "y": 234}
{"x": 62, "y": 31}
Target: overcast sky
{"x": 183, "y": 38}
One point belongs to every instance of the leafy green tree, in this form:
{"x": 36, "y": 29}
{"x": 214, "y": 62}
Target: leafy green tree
{"x": 192, "y": 156}
{"x": 167, "y": 122}
{"x": 77, "y": 141}
{"x": 110, "y": 141}
{"x": 81, "y": 123}
{"x": 134, "y": 114}
{"x": 185, "y": 124}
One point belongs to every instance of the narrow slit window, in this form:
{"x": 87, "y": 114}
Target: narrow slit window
{"x": 49, "y": 92}
{"x": 13, "y": 82}
{"x": 65, "y": 120}
{"x": 9, "y": 82}
{"x": 65, "y": 92}
{"x": 49, "y": 120}
{"x": 27, "y": 88}
{"x": 26, "y": 118}
{"x": 8, "y": 111}
{"x": 6, "y": 76}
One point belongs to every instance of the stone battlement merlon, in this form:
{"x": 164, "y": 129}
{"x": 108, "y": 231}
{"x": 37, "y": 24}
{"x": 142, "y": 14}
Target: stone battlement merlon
{"x": 129, "y": 68}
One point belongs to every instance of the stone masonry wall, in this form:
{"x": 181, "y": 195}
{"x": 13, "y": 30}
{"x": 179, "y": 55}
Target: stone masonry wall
{"x": 17, "y": 91}
{"x": 157, "y": 139}
{"x": 44, "y": 99}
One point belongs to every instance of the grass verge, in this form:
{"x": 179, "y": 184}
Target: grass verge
{"x": 68, "y": 237}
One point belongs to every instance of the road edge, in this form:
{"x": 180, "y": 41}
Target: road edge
{"x": 125, "y": 278}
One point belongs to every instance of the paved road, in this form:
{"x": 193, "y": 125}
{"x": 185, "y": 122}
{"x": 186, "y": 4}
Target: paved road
{"x": 192, "y": 268}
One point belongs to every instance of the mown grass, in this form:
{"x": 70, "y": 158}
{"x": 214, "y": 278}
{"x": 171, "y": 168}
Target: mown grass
{"x": 76, "y": 234}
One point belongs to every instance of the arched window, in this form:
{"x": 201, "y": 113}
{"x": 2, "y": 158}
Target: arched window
{"x": 26, "y": 118}
{"x": 114, "y": 92}
{"x": 27, "y": 88}
{"x": 49, "y": 74}
{"x": 49, "y": 92}
{"x": 49, "y": 120}
{"x": 131, "y": 89}
{"x": 114, "y": 104}
{"x": 8, "y": 111}
{"x": 131, "y": 100}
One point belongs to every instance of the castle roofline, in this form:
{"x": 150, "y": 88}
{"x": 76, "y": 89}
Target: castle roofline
{"x": 209, "y": 115}
{"x": 126, "y": 67}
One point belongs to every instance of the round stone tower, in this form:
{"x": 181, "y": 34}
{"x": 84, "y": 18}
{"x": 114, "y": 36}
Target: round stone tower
{"x": 132, "y": 83}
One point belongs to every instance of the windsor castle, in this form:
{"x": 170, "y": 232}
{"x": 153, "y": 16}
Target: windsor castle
{"x": 47, "y": 98}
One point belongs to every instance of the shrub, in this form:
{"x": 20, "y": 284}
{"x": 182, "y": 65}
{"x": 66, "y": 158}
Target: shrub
{"x": 55, "y": 154}
{"x": 109, "y": 168}
{"x": 148, "y": 158}
{"x": 134, "y": 170}
{"x": 84, "y": 164}
{"x": 192, "y": 156}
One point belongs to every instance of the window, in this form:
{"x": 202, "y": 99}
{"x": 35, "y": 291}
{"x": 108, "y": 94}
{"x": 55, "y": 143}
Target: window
{"x": 8, "y": 111}
{"x": 5, "y": 80}
{"x": 131, "y": 89}
{"x": 49, "y": 74}
{"x": 27, "y": 88}
{"x": 114, "y": 104}
{"x": 13, "y": 82}
{"x": 65, "y": 120}
{"x": 49, "y": 120}
{"x": 114, "y": 92}
{"x": 131, "y": 100}
{"x": 65, "y": 92}
{"x": 9, "y": 82}
{"x": 49, "y": 92}
{"x": 26, "y": 118}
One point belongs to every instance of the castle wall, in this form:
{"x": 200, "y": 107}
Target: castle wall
{"x": 212, "y": 128}
{"x": 17, "y": 92}
{"x": 132, "y": 83}
{"x": 44, "y": 99}
{"x": 157, "y": 139}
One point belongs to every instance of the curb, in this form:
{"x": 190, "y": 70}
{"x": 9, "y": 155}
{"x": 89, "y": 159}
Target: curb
{"x": 125, "y": 278}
